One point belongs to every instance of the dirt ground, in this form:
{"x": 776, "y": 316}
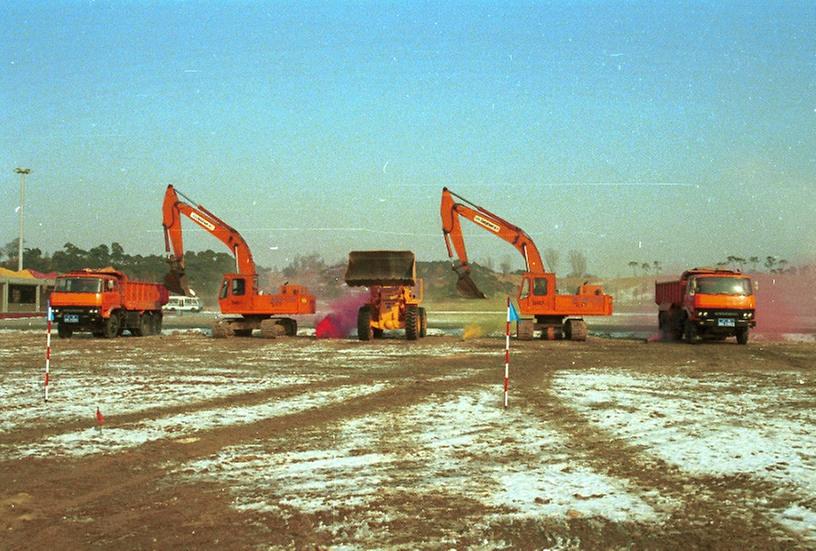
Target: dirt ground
{"x": 300, "y": 443}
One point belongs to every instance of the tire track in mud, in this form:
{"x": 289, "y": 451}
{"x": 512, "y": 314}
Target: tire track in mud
{"x": 135, "y": 479}
{"x": 128, "y": 498}
{"x": 712, "y": 513}
{"x": 358, "y": 374}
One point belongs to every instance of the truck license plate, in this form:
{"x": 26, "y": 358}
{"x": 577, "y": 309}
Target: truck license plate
{"x": 71, "y": 318}
{"x": 725, "y": 322}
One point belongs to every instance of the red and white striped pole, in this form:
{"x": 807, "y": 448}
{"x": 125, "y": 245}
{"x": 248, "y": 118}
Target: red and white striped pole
{"x": 47, "y": 352}
{"x": 507, "y": 355}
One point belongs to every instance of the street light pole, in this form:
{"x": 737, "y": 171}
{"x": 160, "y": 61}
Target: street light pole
{"x": 22, "y": 172}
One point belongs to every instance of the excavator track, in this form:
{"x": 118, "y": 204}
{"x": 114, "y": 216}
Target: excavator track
{"x": 575, "y": 330}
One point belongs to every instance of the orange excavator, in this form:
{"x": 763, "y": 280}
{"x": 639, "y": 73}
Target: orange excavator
{"x": 239, "y": 295}
{"x": 555, "y": 315}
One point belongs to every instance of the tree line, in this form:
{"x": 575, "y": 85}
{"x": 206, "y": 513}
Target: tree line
{"x": 772, "y": 264}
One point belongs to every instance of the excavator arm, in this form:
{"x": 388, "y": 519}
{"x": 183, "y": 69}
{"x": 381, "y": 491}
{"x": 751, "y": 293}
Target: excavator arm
{"x": 451, "y": 210}
{"x": 172, "y": 210}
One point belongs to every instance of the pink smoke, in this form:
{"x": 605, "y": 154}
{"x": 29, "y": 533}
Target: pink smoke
{"x": 786, "y": 303}
{"x": 342, "y": 317}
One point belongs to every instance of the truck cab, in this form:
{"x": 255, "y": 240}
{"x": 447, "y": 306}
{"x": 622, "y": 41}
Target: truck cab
{"x": 720, "y": 304}
{"x": 707, "y": 303}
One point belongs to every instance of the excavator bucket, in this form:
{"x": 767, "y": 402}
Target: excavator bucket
{"x": 467, "y": 287}
{"x": 367, "y": 268}
{"x": 176, "y": 283}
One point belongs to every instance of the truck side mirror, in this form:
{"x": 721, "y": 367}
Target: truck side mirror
{"x": 110, "y": 285}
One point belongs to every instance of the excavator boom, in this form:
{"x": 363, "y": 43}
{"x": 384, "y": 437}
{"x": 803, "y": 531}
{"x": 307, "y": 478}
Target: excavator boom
{"x": 239, "y": 294}
{"x": 552, "y": 313}
{"x": 451, "y": 211}
{"x": 172, "y": 210}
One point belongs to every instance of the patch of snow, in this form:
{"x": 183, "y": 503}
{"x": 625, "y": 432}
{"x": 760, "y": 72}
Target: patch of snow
{"x": 116, "y": 438}
{"x": 445, "y": 446}
{"x": 714, "y": 426}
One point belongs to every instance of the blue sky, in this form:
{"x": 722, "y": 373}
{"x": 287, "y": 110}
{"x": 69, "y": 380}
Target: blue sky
{"x": 327, "y": 127}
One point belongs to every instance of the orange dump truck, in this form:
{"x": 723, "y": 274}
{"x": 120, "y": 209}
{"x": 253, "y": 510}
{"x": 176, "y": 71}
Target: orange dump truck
{"x": 706, "y": 303}
{"x": 105, "y": 302}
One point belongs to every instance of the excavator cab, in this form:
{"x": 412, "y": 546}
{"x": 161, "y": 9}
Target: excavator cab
{"x": 236, "y": 292}
{"x": 536, "y": 291}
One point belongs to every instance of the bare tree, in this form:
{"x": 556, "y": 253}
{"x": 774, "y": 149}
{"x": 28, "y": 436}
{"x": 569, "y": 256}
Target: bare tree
{"x": 578, "y": 262}
{"x": 506, "y": 264}
{"x": 657, "y": 267}
{"x": 754, "y": 260}
{"x": 646, "y": 267}
{"x": 634, "y": 264}
{"x": 551, "y": 257}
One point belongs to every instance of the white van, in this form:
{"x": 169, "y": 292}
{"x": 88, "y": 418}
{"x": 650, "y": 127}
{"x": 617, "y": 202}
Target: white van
{"x": 180, "y": 303}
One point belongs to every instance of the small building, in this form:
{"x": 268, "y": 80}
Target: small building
{"x": 24, "y": 293}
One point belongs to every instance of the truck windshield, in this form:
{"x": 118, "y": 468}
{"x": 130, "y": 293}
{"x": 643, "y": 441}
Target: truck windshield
{"x": 724, "y": 286}
{"x": 78, "y": 285}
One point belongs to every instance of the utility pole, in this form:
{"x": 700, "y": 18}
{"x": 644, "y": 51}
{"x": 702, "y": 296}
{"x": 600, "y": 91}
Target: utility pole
{"x": 22, "y": 172}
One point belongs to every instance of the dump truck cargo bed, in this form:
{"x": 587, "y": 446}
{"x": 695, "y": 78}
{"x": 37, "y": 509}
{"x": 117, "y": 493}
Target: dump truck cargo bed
{"x": 385, "y": 268}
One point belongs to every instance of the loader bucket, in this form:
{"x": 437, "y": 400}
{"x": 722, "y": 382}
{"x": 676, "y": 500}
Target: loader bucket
{"x": 367, "y": 268}
{"x": 467, "y": 287}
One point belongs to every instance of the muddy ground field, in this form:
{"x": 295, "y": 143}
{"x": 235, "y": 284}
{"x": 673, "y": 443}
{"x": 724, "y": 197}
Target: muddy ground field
{"x": 305, "y": 443}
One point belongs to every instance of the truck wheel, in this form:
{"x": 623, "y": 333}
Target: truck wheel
{"x": 674, "y": 325}
{"x": 111, "y": 326}
{"x": 364, "y": 332}
{"x": 157, "y": 324}
{"x": 148, "y": 324}
{"x": 412, "y": 322}
{"x": 423, "y": 322}
{"x": 142, "y": 326}
{"x": 690, "y": 332}
{"x": 64, "y": 331}
{"x": 742, "y": 335}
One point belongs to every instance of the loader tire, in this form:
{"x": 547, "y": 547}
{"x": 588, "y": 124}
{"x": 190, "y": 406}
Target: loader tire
{"x": 112, "y": 326}
{"x": 64, "y": 331}
{"x": 377, "y": 333}
{"x": 742, "y": 335}
{"x": 364, "y": 332}
{"x": 423, "y": 322}
{"x": 412, "y": 322}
